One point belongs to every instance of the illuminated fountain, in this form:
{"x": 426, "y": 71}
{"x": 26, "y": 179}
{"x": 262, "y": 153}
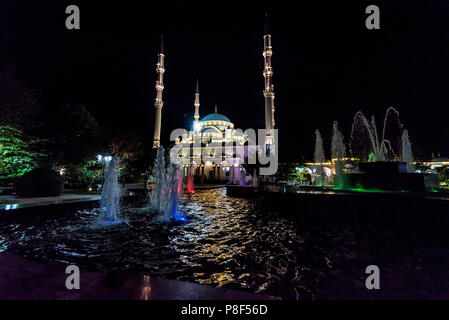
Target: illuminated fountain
{"x": 381, "y": 149}
{"x": 157, "y": 193}
{"x": 164, "y": 197}
{"x": 190, "y": 178}
{"x": 242, "y": 181}
{"x": 319, "y": 156}
{"x": 338, "y": 151}
{"x": 110, "y": 195}
{"x": 382, "y": 172}
{"x": 255, "y": 179}
{"x": 407, "y": 154}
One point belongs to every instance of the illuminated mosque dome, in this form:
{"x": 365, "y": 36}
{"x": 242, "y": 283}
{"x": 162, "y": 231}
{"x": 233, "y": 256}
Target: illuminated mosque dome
{"x": 215, "y": 127}
{"x": 215, "y": 121}
{"x": 216, "y": 116}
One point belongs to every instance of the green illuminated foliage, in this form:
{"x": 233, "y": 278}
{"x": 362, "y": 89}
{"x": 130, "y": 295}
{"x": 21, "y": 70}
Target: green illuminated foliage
{"x": 443, "y": 175}
{"x": 84, "y": 174}
{"x": 17, "y": 155}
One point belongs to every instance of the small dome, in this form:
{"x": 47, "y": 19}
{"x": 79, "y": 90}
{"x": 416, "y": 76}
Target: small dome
{"x": 215, "y": 116}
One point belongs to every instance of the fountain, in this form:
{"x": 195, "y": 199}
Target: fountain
{"x": 255, "y": 180}
{"x": 338, "y": 150}
{"x": 381, "y": 149}
{"x": 165, "y": 195}
{"x": 407, "y": 155}
{"x": 190, "y": 177}
{"x": 157, "y": 193}
{"x": 242, "y": 181}
{"x": 381, "y": 172}
{"x": 110, "y": 195}
{"x": 173, "y": 194}
{"x": 319, "y": 155}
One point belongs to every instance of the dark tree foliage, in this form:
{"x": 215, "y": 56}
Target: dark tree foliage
{"x": 18, "y": 105}
{"x": 72, "y": 135}
{"x": 136, "y": 156}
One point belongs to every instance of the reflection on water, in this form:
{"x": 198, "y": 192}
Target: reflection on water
{"x": 233, "y": 243}
{"x": 146, "y": 288}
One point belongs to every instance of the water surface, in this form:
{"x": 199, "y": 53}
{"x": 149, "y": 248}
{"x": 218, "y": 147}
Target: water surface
{"x": 235, "y": 243}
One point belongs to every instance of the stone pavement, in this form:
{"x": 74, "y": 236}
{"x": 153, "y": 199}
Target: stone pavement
{"x": 22, "y": 279}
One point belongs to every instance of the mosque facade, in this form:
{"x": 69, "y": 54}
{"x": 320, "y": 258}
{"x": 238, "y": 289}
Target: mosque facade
{"x": 213, "y": 150}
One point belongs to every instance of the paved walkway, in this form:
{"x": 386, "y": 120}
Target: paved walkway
{"x": 12, "y": 202}
{"x": 29, "y": 280}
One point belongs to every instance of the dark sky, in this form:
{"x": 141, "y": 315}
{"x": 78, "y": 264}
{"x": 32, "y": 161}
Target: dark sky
{"x": 327, "y": 65}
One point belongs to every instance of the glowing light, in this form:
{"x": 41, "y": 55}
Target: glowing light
{"x": 196, "y": 126}
{"x": 181, "y": 218}
{"x": 11, "y": 206}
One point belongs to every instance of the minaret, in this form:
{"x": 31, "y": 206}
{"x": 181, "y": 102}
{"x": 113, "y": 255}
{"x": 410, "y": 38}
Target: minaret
{"x": 159, "y": 103}
{"x": 196, "y": 103}
{"x": 268, "y": 91}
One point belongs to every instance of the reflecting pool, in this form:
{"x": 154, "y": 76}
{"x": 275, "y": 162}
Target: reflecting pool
{"x": 235, "y": 243}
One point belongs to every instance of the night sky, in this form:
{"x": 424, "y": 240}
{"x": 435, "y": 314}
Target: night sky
{"x": 327, "y": 65}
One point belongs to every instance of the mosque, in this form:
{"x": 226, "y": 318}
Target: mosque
{"x": 215, "y": 133}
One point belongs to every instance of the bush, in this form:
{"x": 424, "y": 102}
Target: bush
{"x": 40, "y": 182}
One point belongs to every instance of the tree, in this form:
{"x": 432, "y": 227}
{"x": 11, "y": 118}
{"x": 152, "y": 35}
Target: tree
{"x": 18, "y": 153}
{"x": 443, "y": 175}
{"x": 85, "y": 174}
{"x": 135, "y": 155}
{"x": 72, "y": 134}
{"x": 18, "y": 106}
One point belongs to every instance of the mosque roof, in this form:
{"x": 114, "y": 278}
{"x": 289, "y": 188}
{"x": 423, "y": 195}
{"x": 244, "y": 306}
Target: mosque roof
{"x": 216, "y": 116}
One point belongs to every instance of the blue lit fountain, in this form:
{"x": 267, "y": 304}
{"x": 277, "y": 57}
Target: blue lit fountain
{"x": 110, "y": 195}
{"x": 164, "y": 197}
